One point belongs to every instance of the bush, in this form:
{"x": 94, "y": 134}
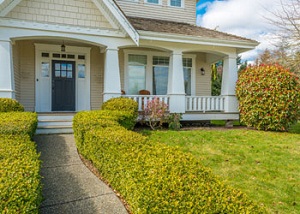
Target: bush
{"x": 122, "y": 104}
{"x": 18, "y": 123}
{"x": 155, "y": 113}
{"x": 155, "y": 178}
{"x": 8, "y": 105}
{"x": 269, "y": 97}
{"x": 150, "y": 176}
{"x": 90, "y": 120}
{"x": 20, "y": 186}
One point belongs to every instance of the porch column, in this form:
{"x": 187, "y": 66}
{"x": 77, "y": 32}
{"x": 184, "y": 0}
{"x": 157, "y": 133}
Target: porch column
{"x": 112, "y": 81}
{"x": 176, "y": 84}
{"x": 7, "y": 87}
{"x": 229, "y": 79}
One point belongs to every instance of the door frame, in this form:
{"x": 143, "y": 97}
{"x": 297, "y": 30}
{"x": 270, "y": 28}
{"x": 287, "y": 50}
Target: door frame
{"x": 43, "y": 85}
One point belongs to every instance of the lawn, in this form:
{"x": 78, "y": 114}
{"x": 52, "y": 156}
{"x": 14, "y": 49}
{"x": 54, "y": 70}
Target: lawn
{"x": 264, "y": 165}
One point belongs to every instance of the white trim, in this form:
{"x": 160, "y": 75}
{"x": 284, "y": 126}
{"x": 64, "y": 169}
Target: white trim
{"x": 15, "y": 23}
{"x": 11, "y": 6}
{"x": 120, "y": 17}
{"x": 148, "y": 35}
{"x": 39, "y": 48}
{"x": 149, "y": 68}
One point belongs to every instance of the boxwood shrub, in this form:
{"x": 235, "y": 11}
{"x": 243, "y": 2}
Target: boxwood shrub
{"x": 18, "y": 123}
{"x": 123, "y": 104}
{"x": 8, "y": 105}
{"x": 20, "y": 187}
{"x": 150, "y": 176}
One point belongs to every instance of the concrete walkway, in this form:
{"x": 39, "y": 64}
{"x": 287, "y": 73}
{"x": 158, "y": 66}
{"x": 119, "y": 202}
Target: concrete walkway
{"x": 68, "y": 186}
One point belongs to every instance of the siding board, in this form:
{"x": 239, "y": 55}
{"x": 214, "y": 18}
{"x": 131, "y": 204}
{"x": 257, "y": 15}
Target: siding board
{"x": 163, "y": 12}
{"x": 97, "y": 71}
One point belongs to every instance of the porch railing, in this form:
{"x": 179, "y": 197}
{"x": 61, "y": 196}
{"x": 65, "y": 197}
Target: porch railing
{"x": 142, "y": 100}
{"x": 205, "y": 103}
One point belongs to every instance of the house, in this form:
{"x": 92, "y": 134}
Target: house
{"x": 72, "y": 55}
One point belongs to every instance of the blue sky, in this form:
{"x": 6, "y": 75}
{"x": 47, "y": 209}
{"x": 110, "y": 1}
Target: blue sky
{"x": 245, "y": 18}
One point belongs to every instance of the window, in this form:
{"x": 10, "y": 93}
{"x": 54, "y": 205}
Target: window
{"x": 136, "y": 73}
{"x": 175, "y": 3}
{"x": 153, "y": 1}
{"x": 160, "y": 75}
{"x": 187, "y": 72}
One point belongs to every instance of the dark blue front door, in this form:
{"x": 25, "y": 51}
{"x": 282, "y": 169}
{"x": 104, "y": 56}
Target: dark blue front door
{"x": 63, "y": 85}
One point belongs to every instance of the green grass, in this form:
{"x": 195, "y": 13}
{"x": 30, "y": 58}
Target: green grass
{"x": 264, "y": 165}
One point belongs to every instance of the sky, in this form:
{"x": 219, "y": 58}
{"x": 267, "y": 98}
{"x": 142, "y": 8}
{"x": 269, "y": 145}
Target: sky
{"x": 246, "y": 18}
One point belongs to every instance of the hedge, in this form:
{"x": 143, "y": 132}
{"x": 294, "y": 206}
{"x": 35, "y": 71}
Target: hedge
{"x": 152, "y": 177}
{"x": 20, "y": 187}
{"x": 18, "y": 123}
{"x": 8, "y": 105}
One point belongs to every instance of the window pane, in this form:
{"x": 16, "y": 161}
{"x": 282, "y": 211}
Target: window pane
{"x": 187, "y": 80}
{"x": 161, "y": 60}
{"x": 136, "y": 78}
{"x": 176, "y": 3}
{"x": 187, "y": 62}
{"x": 153, "y": 1}
{"x": 137, "y": 59}
{"x": 160, "y": 80}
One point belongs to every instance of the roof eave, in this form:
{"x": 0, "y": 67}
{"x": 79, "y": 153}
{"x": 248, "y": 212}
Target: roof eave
{"x": 242, "y": 46}
{"x": 126, "y": 25}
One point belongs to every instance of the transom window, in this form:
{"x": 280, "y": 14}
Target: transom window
{"x": 175, "y": 3}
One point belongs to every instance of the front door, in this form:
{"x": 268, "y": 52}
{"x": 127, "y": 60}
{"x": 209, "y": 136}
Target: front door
{"x": 63, "y": 85}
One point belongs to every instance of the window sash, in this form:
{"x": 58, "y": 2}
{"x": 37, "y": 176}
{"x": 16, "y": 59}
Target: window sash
{"x": 176, "y": 3}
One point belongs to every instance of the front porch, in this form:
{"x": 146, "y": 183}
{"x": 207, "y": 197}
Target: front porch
{"x": 197, "y": 108}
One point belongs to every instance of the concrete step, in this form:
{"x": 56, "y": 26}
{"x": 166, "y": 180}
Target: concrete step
{"x": 55, "y": 123}
{"x": 60, "y": 130}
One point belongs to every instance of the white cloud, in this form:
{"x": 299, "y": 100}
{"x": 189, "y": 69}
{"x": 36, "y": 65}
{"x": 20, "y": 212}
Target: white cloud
{"x": 245, "y": 18}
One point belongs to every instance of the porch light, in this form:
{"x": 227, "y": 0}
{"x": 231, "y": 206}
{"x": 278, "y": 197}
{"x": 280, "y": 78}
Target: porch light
{"x": 63, "y": 47}
{"x": 202, "y": 71}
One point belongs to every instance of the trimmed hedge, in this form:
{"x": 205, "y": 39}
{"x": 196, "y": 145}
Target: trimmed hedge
{"x": 152, "y": 177}
{"x": 125, "y": 105}
{"x": 8, "y": 105}
{"x": 18, "y": 123}
{"x": 20, "y": 187}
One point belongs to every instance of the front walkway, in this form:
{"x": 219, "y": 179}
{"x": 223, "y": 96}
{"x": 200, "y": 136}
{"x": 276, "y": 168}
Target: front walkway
{"x": 68, "y": 186}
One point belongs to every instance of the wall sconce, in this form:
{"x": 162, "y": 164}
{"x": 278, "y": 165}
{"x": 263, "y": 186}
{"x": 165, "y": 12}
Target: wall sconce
{"x": 202, "y": 71}
{"x": 63, "y": 47}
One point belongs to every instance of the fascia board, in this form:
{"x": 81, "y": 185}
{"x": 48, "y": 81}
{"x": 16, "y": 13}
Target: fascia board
{"x": 146, "y": 35}
{"x": 21, "y": 24}
{"x": 9, "y": 7}
{"x": 125, "y": 24}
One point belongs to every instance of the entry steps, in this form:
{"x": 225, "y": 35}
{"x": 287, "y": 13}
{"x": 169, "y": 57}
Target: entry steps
{"x": 55, "y": 123}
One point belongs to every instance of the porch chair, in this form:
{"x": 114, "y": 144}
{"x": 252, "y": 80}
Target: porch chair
{"x": 143, "y": 92}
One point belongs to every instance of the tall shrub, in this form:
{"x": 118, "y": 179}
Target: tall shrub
{"x": 155, "y": 113}
{"x": 268, "y": 97}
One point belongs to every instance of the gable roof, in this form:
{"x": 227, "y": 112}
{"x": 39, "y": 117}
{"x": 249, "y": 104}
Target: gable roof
{"x": 185, "y": 29}
{"x": 113, "y": 14}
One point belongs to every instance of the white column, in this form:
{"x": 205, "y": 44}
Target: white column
{"x": 7, "y": 87}
{"x": 176, "y": 84}
{"x": 112, "y": 81}
{"x": 229, "y": 80}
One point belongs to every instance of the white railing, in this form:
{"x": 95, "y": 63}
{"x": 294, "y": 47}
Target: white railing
{"x": 142, "y": 100}
{"x": 204, "y": 103}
